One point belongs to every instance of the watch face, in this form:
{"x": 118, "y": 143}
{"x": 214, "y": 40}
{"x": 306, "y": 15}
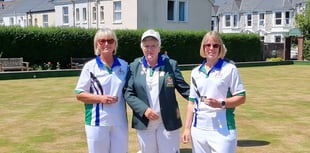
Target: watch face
{"x": 223, "y": 104}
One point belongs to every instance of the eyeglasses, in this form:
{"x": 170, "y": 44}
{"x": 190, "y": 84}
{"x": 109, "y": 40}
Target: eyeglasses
{"x": 103, "y": 41}
{"x": 213, "y": 45}
{"x": 150, "y": 46}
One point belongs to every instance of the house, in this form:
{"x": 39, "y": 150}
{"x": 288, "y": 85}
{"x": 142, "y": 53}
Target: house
{"x": 270, "y": 19}
{"x": 4, "y": 6}
{"x": 27, "y": 13}
{"x": 134, "y": 14}
{"x": 115, "y": 14}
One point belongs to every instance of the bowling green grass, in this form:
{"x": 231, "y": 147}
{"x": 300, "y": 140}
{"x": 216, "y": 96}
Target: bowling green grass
{"x": 43, "y": 116}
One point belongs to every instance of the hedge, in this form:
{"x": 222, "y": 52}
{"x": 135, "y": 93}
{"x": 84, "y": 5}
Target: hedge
{"x": 57, "y": 44}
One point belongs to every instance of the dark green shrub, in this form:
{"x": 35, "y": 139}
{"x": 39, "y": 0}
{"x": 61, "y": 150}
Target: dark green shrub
{"x": 55, "y": 44}
{"x": 307, "y": 50}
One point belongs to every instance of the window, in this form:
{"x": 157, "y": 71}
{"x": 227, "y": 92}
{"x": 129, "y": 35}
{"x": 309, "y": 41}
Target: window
{"x": 170, "y": 10}
{"x": 278, "y": 18}
{"x": 181, "y": 11}
{"x": 262, "y": 38}
{"x": 261, "y": 19}
{"x": 11, "y": 21}
{"x": 177, "y": 10}
{"x": 65, "y": 15}
{"x": 29, "y": 21}
{"x": 35, "y": 22}
{"x": 249, "y": 20}
{"x": 235, "y": 22}
{"x": 102, "y": 13}
{"x": 84, "y": 14}
{"x": 45, "y": 20}
{"x": 94, "y": 14}
{"x": 287, "y": 18}
{"x": 117, "y": 11}
{"x": 277, "y": 38}
{"x": 227, "y": 20}
{"x": 212, "y": 25}
{"x": 77, "y": 14}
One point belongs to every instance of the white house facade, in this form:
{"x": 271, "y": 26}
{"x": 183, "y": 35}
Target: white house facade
{"x": 15, "y": 19}
{"x": 25, "y": 13}
{"x": 115, "y": 14}
{"x": 96, "y": 14}
{"x": 134, "y": 14}
{"x": 270, "y": 19}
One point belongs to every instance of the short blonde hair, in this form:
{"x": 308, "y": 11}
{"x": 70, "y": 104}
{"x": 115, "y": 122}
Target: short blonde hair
{"x": 216, "y": 36}
{"x": 107, "y": 33}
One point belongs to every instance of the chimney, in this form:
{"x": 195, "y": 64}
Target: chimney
{"x": 238, "y": 2}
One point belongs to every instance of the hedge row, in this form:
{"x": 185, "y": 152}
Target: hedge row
{"x": 55, "y": 44}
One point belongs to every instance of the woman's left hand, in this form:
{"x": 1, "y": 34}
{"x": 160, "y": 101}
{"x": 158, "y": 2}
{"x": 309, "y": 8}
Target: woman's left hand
{"x": 213, "y": 103}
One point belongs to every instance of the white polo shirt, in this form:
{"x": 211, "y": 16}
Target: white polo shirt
{"x": 152, "y": 75}
{"x": 99, "y": 79}
{"x": 220, "y": 82}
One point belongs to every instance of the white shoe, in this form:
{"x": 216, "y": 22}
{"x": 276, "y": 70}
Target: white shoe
{"x": 139, "y": 151}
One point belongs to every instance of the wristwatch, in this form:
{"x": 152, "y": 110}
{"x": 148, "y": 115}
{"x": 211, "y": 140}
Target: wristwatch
{"x": 223, "y": 104}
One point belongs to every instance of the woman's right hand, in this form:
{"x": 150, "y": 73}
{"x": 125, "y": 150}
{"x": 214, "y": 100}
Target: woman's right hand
{"x": 107, "y": 99}
{"x": 151, "y": 114}
{"x": 186, "y": 136}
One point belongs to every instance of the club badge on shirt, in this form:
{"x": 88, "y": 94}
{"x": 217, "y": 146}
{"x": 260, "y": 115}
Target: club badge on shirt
{"x": 120, "y": 71}
{"x": 169, "y": 81}
{"x": 217, "y": 74}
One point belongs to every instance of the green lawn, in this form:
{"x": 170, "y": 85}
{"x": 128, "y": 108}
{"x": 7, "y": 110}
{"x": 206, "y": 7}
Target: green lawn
{"x": 43, "y": 116}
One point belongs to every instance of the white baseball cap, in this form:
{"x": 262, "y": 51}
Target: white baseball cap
{"x": 151, "y": 33}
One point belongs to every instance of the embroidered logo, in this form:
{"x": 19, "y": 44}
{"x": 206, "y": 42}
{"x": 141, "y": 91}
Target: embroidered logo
{"x": 120, "y": 71}
{"x": 169, "y": 82}
{"x": 217, "y": 74}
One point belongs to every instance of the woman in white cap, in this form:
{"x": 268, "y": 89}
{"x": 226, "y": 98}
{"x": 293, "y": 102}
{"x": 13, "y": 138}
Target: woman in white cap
{"x": 150, "y": 92}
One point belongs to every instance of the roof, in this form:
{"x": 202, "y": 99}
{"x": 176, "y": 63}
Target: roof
{"x": 228, "y": 6}
{"x": 22, "y": 6}
{"x": 299, "y": 1}
{"x": 220, "y": 2}
{"x": 64, "y": 2}
{"x": 265, "y": 5}
{"x": 295, "y": 32}
{"x": 233, "y": 6}
{"x": 5, "y": 6}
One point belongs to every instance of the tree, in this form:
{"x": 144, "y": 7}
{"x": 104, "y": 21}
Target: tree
{"x": 303, "y": 23}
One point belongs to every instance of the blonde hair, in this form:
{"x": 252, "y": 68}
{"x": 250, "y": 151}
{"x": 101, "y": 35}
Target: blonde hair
{"x": 106, "y": 32}
{"x": 216, "y": 36}
{"x": 225, "y": 51}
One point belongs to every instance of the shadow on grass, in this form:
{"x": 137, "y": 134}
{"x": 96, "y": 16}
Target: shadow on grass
{"x": 252, "y": 143}
{"x": 186, "y": 150}
{"x": 241, "y": 143}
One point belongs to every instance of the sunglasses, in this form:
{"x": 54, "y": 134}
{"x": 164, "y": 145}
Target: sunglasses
{"x": 103, "y": 41}
{"x": 213, "y": 45}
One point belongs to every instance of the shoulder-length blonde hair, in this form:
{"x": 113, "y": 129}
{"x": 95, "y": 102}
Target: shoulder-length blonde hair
{"x": 216, "y": 36}
{"x": 106, "y": 32}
